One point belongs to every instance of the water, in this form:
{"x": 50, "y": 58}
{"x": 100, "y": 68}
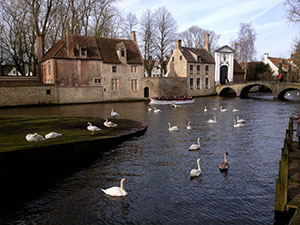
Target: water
{"x": 157, "y": 165}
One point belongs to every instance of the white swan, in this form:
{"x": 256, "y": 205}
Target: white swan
{"x": 92, "y": 128}
{"x": 52, "y": 135}
{"x": 114, "y": 113}
{"x": 236, "y": 125}
{"x": 156, "y": 110}
{"x": 149, "y": 109}
{"x": 196, "y": 172}
{"x": 34, "y": 137}
{"x": 205, "y": 109}
{"x": 195, "y": 146}
{"x": 189, "y": 126}
{"x": 224, "y": 165}
{"x": 116, "y": 191}
{"x": 214, "y": 108}
{"x": 297, "y": 93}
{"x": 174, "y": 128}
{"x": 235, "y": 110}
{"x": 288, "y": 94}
{"x": 109, "y": 123}
{"x": 175, "y": 105}
{"x": 238, "y": 120}
{"x": 223, "y": 110}
{"x": 212, "y": 121}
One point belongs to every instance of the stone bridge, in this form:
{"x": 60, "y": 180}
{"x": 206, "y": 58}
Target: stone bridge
{"x": 242, "y": 89}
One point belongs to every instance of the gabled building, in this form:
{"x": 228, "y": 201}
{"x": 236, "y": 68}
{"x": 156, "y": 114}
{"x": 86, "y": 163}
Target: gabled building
{"x": 93, "y": 69}
{"x": 9, "y": 70}
{"x": 274, "y": 63}
{"x": 194, "y": 64}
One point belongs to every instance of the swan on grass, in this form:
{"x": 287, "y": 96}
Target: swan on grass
{"x": 236, "y": 125}
{"x": 156, "y": 110}
{"x": 238, "y": 120}
{"x": 52, "y": 135}
{"x": 92, "y": 128}
{"x": 116, "y": 191}
{"x": 34, "y": 137}
{"x": 223, "y": 110}
{"x": 114, "y": 113}
{"x": 196, "y": 172}
{"x": 194, "y": 147}
{"x": 205, "y": 109}
{"x": 173, "y": 128}
{"x": 212, "y": 121}
{"x": 224, "y": 165}
{"x": 189, "y": 126}
{"x": 109, "y": 123}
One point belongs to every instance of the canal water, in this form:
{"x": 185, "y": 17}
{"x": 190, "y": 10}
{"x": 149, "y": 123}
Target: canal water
{"x": 157, "y": 166}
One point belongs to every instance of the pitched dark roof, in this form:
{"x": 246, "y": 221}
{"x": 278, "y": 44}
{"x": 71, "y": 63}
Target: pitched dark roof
{"x": 97, "y": 48}
{"x": 5, "y": 69}
{"x": 276, "y": 61}
{"x": 206, "y": 57}
{"x": 237, "y": 68}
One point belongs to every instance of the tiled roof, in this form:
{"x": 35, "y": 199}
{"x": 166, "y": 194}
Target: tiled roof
{"x": 237, "y": 68}
{"x": 97, "y": 48}
{"x": 206, "y": 57}
{"x": 276, "y": 61}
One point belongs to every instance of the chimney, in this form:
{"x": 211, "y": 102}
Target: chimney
{"x": 40, "y": 54}
{"x": 206, "y": 44}
{"x": 70, "y": 44}
{"x": 266, "y": 56}
{"x": 178, "y": 44}
{"x": 133, "y": 36}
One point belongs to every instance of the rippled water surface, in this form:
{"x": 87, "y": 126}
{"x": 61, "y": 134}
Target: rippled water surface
{"x": 157, "y": 165}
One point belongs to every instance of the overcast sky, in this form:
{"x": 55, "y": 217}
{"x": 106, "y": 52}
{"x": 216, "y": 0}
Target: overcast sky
{"x": 275, "y": 35}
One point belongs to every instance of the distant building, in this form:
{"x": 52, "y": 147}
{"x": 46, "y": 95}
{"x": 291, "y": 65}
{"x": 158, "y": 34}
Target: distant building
{"x": 275, "y": 62}
{"x": 156, "y": 70}
{"x": 9, "y": 70}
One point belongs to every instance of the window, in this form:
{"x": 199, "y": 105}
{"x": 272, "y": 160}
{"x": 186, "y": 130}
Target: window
{"x": 122, "y": 52}
{"x": 198, "y": 83}
{"x": 97, "y": 80}
{"x": 180, "y": 57}
{"x": 83, "y": 51}
{"x": 49, "y": 68}
{"x": 198, "y": 69}
{"x": 206, "y": 83}
{"x": 173, "y": 59}
{"x": 206, "y": 70}
{"x": 134, "y": 84}
{"x": 191, "y": 83}
{"x": 133, "y": 69}
{"x": 48, "y": 92}
{"x": 199, "y": 58}
{"x": 114, "y": 84}
{"x": 114, "y": 69}
{"x": 191, "y": 69}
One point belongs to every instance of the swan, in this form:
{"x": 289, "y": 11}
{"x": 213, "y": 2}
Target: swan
{"x": 235, "y": 124}
{"x": 92, "y": 128}
{"x": 109, "y": 123}
{"x": 174, "y": 128}
{"x": 214, "y": 108}
{"x": 34, "y": 137}
{"x": 205, "y": 109}
{"x": 224, "y": 165}
{"x": 212, "y": 121}
{"x": 238, "y": 120}
{"x": 149, "y": 109}
{"x": 114, "y": 113}
{"x": 116, "y": 191}
{"x": 223, "y": 110}
{"x": 195, "y": 146}
{"x": 288, "y": 94}
{"x": 175, "y": 106}
{"x": 235, "y": 110}
{"x": 189, "y": 126}
{"x": 297, "y": 93}
{"x": 52, "y": 135}
{"x": 156, "y": 110}
{"x": 196, "y": 172}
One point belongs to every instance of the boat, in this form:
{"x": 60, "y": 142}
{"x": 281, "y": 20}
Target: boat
{"x": 171, "y": 101}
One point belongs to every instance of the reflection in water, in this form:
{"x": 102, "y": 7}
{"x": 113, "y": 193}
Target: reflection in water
{"x": 157, "y": 167}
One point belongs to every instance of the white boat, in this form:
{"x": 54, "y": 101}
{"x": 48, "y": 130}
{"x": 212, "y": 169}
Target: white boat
{"x": 171, "y": 101}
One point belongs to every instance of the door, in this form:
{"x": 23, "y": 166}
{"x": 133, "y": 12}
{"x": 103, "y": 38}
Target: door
{"x": 146, "y": 92}
{"x": 223, "y": 74}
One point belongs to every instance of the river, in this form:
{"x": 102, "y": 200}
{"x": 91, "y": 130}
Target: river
{"x": 157, "y": 166}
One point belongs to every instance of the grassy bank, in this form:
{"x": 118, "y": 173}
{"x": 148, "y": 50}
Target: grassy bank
{"x": 73, "y": 129}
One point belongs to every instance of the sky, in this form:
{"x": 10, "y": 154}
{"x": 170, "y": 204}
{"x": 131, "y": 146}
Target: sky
{"x": 274, "y": 33}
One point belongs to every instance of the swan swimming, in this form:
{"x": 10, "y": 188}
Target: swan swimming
{"x": 196, "y": 172}
{"x": 174, "y": 128}
{"x": 149, "y": 109}
{"x": 212, "y": 121}
{"x": 114, "y": 113}
{"x": 223, "y": 110}
{"x": 205, "y": 109}
{"x": 195, "y": 146}
{"x": 235, "y": 110}
{"x": 236, "y": 125}
{"x": 238, "y": 120}
{"x": 189, "y": 126}
{"x": 92, "y": 128}
{"x": 52, "y": 135}
{"x": 34, "y": 137}
{"x": 156, "y": 110}
{"x": 224, "y": 165}
{"x": 109, "y": 123}
{"x": 116, "y": 191}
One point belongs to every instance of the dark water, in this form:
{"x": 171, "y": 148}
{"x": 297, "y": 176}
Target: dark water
{"x": 157, "y": 165}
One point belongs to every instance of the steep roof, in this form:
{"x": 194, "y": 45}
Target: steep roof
{"x": 5, "y": 69}
{"x": 237, "y": 69}
{"x": 276, "y": 61}
{"x": 225, "y": 49}
{"x": 206, "y": 57}
{"x": 104, "y": 49}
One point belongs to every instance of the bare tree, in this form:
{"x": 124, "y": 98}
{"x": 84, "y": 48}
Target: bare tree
{"x": 245, "y": 49}
{"x": 166, "y": 32}
{"x": 128, "y": 25}
{"x": 293, "y": 10}
{"x": 194, "y": 37}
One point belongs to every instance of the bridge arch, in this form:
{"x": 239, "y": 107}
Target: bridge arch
{"x": 245, "y": 90}
{"x": 282, "y": 93}
{"x": 228, "y": 91}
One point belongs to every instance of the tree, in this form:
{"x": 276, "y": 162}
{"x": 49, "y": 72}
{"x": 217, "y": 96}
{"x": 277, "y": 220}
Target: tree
{"x": 129, "y": 23}
{"x": 245, "y": 49}
{"x": 194, "y": 37}
{"x": 293, "y": 10}
{"x": 166, "y": 32}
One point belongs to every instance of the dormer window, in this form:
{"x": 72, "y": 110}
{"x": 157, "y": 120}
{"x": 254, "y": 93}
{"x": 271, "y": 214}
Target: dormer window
{"x": 83, "y": 52}
{"x": 199, "y": 58}
{"x": 122, "y": 52}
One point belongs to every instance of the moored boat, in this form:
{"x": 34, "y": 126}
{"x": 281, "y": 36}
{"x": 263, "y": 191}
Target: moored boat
{"x": 171, "y": 101}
